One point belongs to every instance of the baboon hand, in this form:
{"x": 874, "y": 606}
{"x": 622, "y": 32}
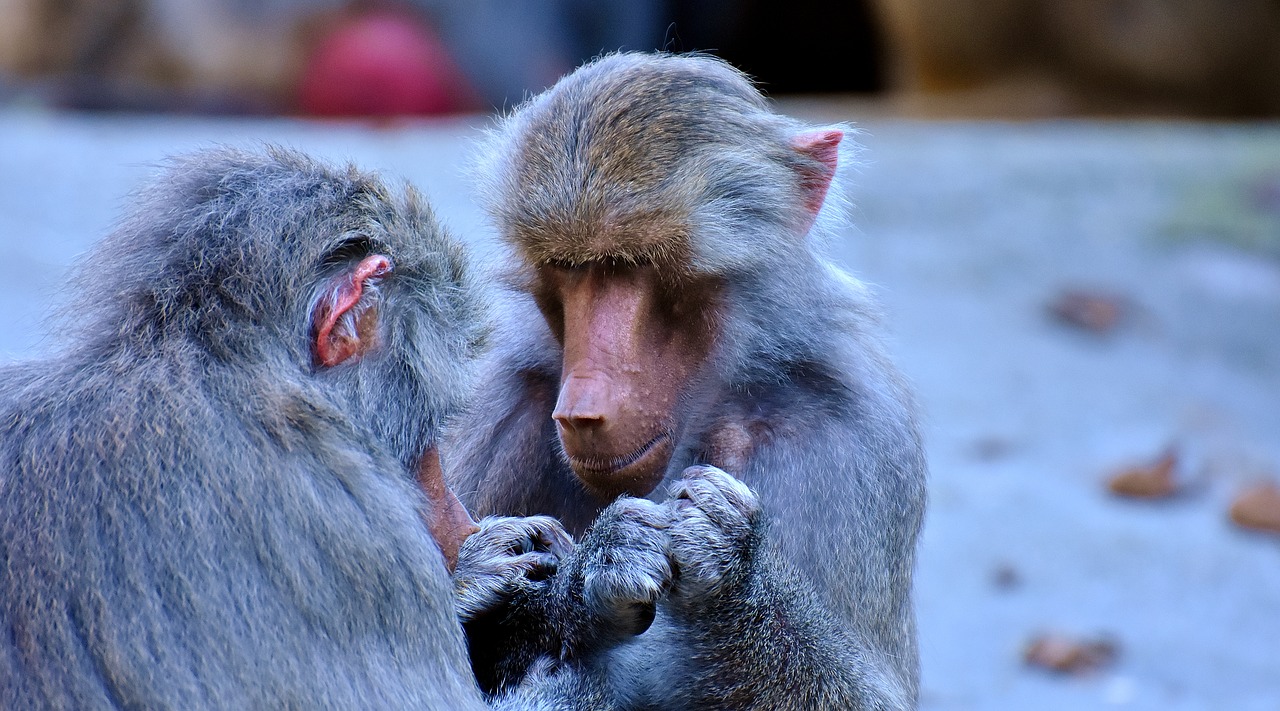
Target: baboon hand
{"x": 714, "y": 531}
{"x": 504, "y": 555}
{"x": 626, "y": 565}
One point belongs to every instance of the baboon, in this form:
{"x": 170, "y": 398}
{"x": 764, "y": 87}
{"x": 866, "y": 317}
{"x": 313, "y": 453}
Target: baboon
{"x": 221, "y": 491}
{"x": 668, "y": 225}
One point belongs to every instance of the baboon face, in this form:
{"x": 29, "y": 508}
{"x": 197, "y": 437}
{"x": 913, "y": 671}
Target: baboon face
{"x": 632, "y": 342}
{"x": 633, "y": 190}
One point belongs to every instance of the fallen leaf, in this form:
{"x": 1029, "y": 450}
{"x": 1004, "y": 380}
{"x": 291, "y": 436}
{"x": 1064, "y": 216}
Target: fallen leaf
{"x": 1155, "y": 480}
{"x": 1258, "y": 508}
{"x": 1089, "y": 310}
{"x": 1069, "y": 655}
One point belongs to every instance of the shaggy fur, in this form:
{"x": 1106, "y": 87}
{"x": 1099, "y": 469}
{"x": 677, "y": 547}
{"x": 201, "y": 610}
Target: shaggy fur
{"x": 655, "y": 158}
{"x": 678, "y": 161}
{"x": 192, "y": 515}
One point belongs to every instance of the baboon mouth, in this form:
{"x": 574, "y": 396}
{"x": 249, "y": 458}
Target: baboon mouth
{"x": 609, "y": 465}
{"x": 635, "y": 473}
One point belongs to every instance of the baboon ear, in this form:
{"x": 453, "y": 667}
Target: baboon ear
{"x": 345, "y": 318}
{"x": 823, "y": 147}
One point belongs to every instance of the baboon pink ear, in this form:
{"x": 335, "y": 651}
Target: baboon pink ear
{"x": 824, "y": 148}
{"x": 345, "y": 319}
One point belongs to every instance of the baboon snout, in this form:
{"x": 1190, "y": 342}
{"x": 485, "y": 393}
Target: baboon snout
{"x": 584, "y": 405}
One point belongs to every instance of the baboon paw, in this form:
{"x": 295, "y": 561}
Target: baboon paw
{"x": 505, "y": 554}
{"x": 728, "y": 502}
{"x": 627, "y": 565}
{"x": 713, "y": 523}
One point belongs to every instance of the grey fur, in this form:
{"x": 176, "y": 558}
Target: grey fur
{"x": 192, "y": 515}
{"x": 762, "y": 636}
{"x": 688, "y": 145}
{"x": 529, "y": 599}
{"x": 583, "y": 155}
{"x": 505, "y": 552}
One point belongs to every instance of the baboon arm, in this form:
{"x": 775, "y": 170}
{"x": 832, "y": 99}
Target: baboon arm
{"x": 853, "y": 544}
{"x": 827, "y": 664}
{"x": 768, "y": 645}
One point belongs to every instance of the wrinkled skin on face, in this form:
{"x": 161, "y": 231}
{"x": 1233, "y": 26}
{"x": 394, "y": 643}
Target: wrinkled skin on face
{"x": 632, "y": 342}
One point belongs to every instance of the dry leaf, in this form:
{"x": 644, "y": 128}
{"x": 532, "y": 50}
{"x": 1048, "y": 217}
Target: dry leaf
{"x": 1069, "y": 655}
{"x": 1090, "y": 310}
{"x": 1258, "y": 507}
{"x": 1147, "y": 481}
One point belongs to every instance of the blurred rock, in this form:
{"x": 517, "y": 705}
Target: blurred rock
{"x": 382, "y": 63}
{"x": 1005, "y": 577}
{"x": 991, "y": 448}
{"x": 1094, "y": 56}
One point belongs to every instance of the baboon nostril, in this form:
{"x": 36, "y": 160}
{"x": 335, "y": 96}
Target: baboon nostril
{"x": 579, "y": 421}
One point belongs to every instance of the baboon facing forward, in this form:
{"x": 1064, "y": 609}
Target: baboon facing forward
{"x": 673, "y": 309}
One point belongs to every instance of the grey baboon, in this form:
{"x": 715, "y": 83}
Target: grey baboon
{"x": 223, "y": 489}
{"x": 666, "y": 222}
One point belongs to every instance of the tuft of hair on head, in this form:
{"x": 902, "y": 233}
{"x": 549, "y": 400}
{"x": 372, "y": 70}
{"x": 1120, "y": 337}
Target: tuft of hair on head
{"x": 224, "y": 249}
{"x": 658, "y": 158}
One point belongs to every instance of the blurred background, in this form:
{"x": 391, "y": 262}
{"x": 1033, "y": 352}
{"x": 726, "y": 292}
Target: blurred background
{"x": 1071, "y": 211}
{"x": 1212, "y": 58}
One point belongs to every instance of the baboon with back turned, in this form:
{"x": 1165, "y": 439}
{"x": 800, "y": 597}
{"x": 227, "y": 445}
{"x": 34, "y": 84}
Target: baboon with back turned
{"x": 667, "y": 226}
{"x": 223, "y": 491}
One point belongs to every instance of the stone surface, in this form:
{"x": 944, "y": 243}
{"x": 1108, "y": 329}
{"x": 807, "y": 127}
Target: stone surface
{"x": 967, "y": 232}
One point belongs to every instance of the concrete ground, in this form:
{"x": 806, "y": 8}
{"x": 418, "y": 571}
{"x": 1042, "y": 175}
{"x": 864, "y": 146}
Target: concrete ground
{"x": 967, "y": 232}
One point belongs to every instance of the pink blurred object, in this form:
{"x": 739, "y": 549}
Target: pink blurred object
{"x": 382, "y": 63}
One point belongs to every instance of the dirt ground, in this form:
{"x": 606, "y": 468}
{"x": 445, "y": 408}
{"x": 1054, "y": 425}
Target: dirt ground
{"x": 969, "y": 232}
